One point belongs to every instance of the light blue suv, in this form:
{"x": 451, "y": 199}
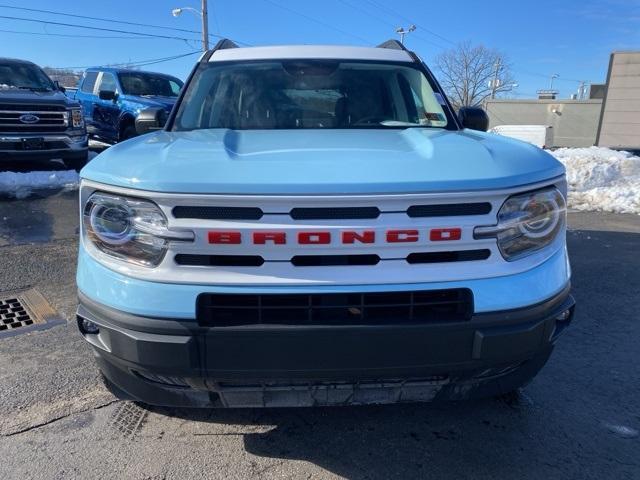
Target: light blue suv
{"x": 315, "y": 226}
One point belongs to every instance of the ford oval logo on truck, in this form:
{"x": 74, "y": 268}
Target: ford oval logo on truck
{"x": 29, "y": 118}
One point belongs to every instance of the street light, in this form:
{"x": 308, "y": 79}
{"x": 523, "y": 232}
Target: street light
{"x": 402, "y": 32}
{"x": 176, "y": 12}
{"x": 204, "y": 14}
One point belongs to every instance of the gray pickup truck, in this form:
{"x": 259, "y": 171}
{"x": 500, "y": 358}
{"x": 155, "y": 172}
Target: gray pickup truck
{"x": 37, "y": 120}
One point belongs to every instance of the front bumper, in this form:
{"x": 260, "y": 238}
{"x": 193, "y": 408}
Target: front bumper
{"x": 59, "y": 145}
{"x": 178, "y": 363}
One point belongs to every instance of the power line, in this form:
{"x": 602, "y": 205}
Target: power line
{"x": 136, "y": 63}
{"x": 215, "y": 17}
{"x": 167, "y": 59}
{"x": 74, "y": 36}
{"x": 112, "y": 20}
{"x": 320, "y": 22}
{"x": 48, "y": 22}
{"x": 386, "y": 22}
{"x": 407, "y": 19}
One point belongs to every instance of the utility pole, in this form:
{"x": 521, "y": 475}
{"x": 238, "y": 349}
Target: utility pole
{"x": 402, "y": 32}
{"x": 205, "y": 26}
{"x": 495, "y": 81}
{"x": 582, "y": 90}
{"x": 553, "y": 77}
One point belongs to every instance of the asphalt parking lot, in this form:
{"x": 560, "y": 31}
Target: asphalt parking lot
{"x": 578, "y": 419}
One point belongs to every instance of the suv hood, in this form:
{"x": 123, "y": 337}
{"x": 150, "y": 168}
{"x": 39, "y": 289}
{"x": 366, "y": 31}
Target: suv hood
{"x": 321, "y": 162}
{"x": 16, "y": 96}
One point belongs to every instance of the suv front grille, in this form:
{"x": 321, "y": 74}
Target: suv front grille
{"x": 197, "y": 260}
{"x": 371, "y": 308}
{"x": 330, "y": 213}
{"x": 50, "y": 118}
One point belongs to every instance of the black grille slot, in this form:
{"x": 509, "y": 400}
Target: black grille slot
{"x": 334, "y": 213}
{"x": 334, "y": 260}
{"x": 449, "y": 210}
{"x": 218, "y": 213}
{"x": 386, "y": 308}
{"x": 444, "y": 257}
{"x": 219, "y": 260}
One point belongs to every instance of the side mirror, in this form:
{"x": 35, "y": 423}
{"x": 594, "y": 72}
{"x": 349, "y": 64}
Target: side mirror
{"x": 107, "y": 95}
{"x": 474, "y": 118}
{"x": 59, "y": 87}
{"x": 150, "y": 119}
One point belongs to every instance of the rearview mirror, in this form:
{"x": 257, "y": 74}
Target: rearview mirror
{"x": 474, "y": 118}
{"x": 107, "y": 95}
{"x": 59, "y": 87}
{"x": 150, "y": 119}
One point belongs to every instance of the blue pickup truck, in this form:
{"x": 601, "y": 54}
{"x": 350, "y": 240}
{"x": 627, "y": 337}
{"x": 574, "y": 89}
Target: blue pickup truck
{"x": 112, "y": 98}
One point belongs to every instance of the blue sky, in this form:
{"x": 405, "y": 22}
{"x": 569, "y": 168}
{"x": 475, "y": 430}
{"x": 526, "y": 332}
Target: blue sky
{"x": 572, "y": 38}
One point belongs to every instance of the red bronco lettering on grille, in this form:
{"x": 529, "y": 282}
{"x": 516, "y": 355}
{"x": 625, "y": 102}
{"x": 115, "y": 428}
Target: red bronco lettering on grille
{"x": 232, "y": 238}
{"x": 347, "y": 237}
{"x": 441, "y": 234}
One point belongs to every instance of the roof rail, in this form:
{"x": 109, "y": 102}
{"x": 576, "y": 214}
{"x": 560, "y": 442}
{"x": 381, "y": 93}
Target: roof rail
{"x": 224, "y": 44}
{"x": 393, "y": 45}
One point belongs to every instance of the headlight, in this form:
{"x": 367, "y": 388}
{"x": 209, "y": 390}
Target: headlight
{"x": 527, "y": 223}
{"x": 76, "y": 118}
{"x": 128, "y": 229}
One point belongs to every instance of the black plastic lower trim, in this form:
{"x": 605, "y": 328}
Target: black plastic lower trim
{"x": 492, "y": 353}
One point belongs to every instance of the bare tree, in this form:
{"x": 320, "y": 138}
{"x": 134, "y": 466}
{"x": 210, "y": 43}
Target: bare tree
{"x": 471, "y": 74}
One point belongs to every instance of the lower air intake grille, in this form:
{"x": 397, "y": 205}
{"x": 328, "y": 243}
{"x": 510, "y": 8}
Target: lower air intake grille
{"x": 377, "y": 308}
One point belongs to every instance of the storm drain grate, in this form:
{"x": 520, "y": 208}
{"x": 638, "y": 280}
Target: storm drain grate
{"x": 13, "y": 314}
{"x": 128, "y": 418}
{"x": 26, "y": 308}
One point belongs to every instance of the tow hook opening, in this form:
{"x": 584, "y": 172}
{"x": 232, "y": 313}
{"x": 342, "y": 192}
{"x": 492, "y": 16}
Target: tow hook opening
{"x": 563, "y": 319}
{"x": 87, "y": 327}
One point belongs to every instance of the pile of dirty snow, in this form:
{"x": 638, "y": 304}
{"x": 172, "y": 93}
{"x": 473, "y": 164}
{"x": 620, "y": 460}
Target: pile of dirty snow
{"x": 22, "y": 185}
{"x": 602, "y": 179}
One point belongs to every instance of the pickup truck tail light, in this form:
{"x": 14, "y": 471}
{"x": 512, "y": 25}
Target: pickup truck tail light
{"x": 129, "y": 229}
{"x": 527, "y": 223}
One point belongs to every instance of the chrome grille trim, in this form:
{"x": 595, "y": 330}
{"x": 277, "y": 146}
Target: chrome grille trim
{"x": 51, "y": 118}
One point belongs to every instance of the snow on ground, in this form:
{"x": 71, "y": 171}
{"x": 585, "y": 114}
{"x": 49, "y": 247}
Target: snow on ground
{"x": 23, "y": 184}
{"x": 602, "y": 179}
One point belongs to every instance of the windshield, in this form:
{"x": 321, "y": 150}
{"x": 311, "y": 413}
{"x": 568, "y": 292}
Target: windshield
{"x": 24, "y": 76}
{"x": 148, "y": 84}
{"x": 309, "y": 94}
